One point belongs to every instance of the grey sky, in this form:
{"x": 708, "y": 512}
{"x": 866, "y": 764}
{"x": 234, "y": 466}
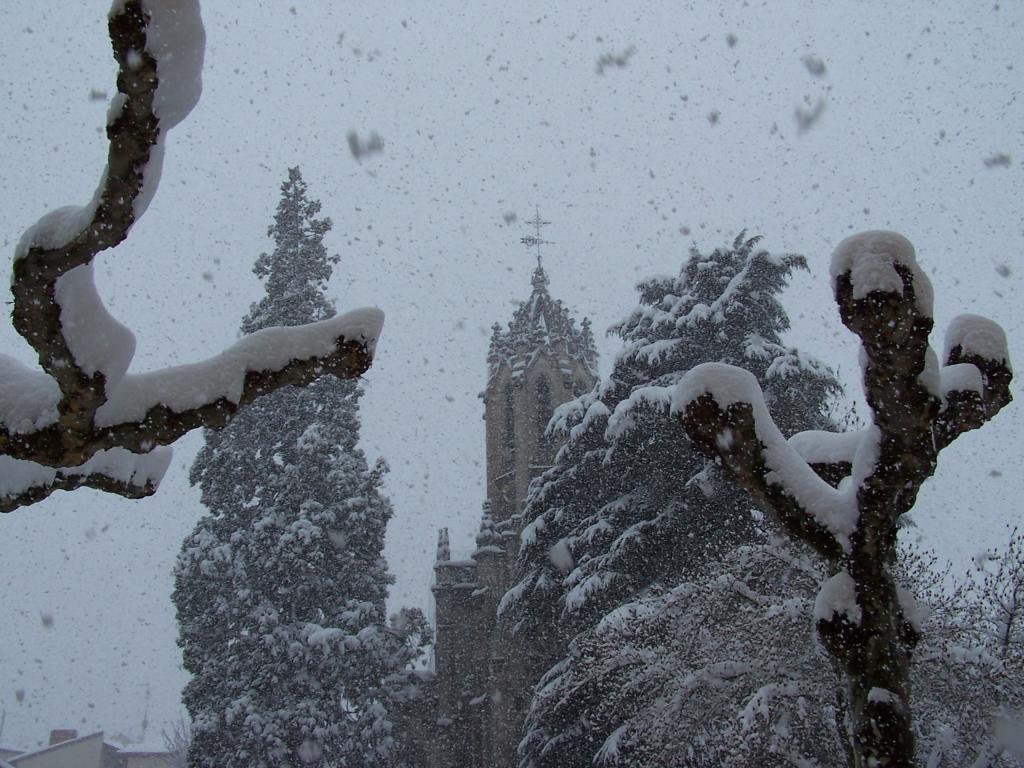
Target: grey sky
{"x": 485, "y": 109}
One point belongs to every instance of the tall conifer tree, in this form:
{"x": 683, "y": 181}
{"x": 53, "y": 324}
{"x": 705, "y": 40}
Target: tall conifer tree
{"x": 630, "y": 504}
{"x": 629, "y": 499}
{"x": 280, "y": 589}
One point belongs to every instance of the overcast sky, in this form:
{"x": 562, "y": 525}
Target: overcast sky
{"x": 487, "y": 110}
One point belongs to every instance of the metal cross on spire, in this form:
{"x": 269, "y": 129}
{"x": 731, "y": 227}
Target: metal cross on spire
{"x": 535, "y": 240}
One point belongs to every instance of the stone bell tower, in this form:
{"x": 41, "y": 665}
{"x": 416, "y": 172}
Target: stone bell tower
{"x": 539, "y": 361}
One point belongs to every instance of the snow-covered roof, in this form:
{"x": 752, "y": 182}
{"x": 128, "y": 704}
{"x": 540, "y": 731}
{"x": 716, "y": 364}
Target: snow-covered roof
{"x": 541, "y": 323}
{"x": 61, "y": 745}
{"x": 117, "y": 745}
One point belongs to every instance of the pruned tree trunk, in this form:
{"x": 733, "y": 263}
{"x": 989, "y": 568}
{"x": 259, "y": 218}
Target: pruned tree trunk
{"x": 843, "y": 495}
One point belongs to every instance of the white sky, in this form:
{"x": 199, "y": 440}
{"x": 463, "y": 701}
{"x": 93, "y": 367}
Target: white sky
{"x": 484, "y": 109}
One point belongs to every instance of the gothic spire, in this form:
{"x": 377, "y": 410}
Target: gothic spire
{"x": 540, "y": 322}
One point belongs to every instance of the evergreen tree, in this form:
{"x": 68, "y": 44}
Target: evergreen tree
{"x": 280, "y": 589}
{"x": 721, "y": 670}
{"x": 630, "y": 504}
{"x": 725, "y": 670}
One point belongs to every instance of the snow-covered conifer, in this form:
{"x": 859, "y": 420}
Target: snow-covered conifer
{"x": 630, "y": 505}
{"x": 629, "y": 502}
{"x": 720, "y": 670}
{"x": 280, "y": 589}
{"x": 725, "y": 670}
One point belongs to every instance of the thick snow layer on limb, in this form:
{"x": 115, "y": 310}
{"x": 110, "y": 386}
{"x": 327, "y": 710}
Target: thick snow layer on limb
{"x": 818, "y": 447}
{"x": 962, "y": 377}
{"x": 838, "y": 597}
{"x": 176, "y": 39}
{"x": 727, "y": 384}
{"x": 116, "y": 464}
{"x": 98, "y": 342}
{"x": 871, "y": 259}
{"x": 977, "y": 336}
{"x": 223, "y": 376}
{"x": 125, "y": 466}
{"x": 17, "y": 476}
{"x": 836, "y": 510}
{"x": 56, "y": 228}
{"x": 28, "y": 398}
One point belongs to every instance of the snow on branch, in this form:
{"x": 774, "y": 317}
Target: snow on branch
{"x": 116, "y": 470}
{"x": 886, "y": 299}
{"x": 84, "y": 420}
{"x": 976, "y": 378}
{"x": 723, "y": 410}
{"x": 844, "y": 494}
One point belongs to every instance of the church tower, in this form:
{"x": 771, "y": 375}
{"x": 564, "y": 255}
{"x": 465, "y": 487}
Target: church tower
{"x": 539, "y": 361}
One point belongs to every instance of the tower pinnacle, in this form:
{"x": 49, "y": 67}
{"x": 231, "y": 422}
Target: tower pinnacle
{"x": 444, "y": 552}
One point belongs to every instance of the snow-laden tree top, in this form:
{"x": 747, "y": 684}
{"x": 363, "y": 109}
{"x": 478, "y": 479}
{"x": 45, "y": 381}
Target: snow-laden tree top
{"x": 84, "y": 420}
{"x": 281, "y": 588}
{"x": 296, "y": 271}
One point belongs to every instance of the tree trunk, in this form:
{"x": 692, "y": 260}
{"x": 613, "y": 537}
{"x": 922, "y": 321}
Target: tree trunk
{"x": 875, "y": 654}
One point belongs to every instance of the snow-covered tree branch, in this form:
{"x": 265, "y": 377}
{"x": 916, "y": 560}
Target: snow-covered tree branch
{"x": 723, "y": 670}
{"x": 918, "y": 408}
{"x": 84, "y": 420}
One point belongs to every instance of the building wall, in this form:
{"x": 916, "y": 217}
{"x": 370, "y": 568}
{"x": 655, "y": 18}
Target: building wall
{"x": 484, "y": 682}
{"x": 86, "y": 752}
{"x": 460, "y": 665}
{"x": 516, "y": 417}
